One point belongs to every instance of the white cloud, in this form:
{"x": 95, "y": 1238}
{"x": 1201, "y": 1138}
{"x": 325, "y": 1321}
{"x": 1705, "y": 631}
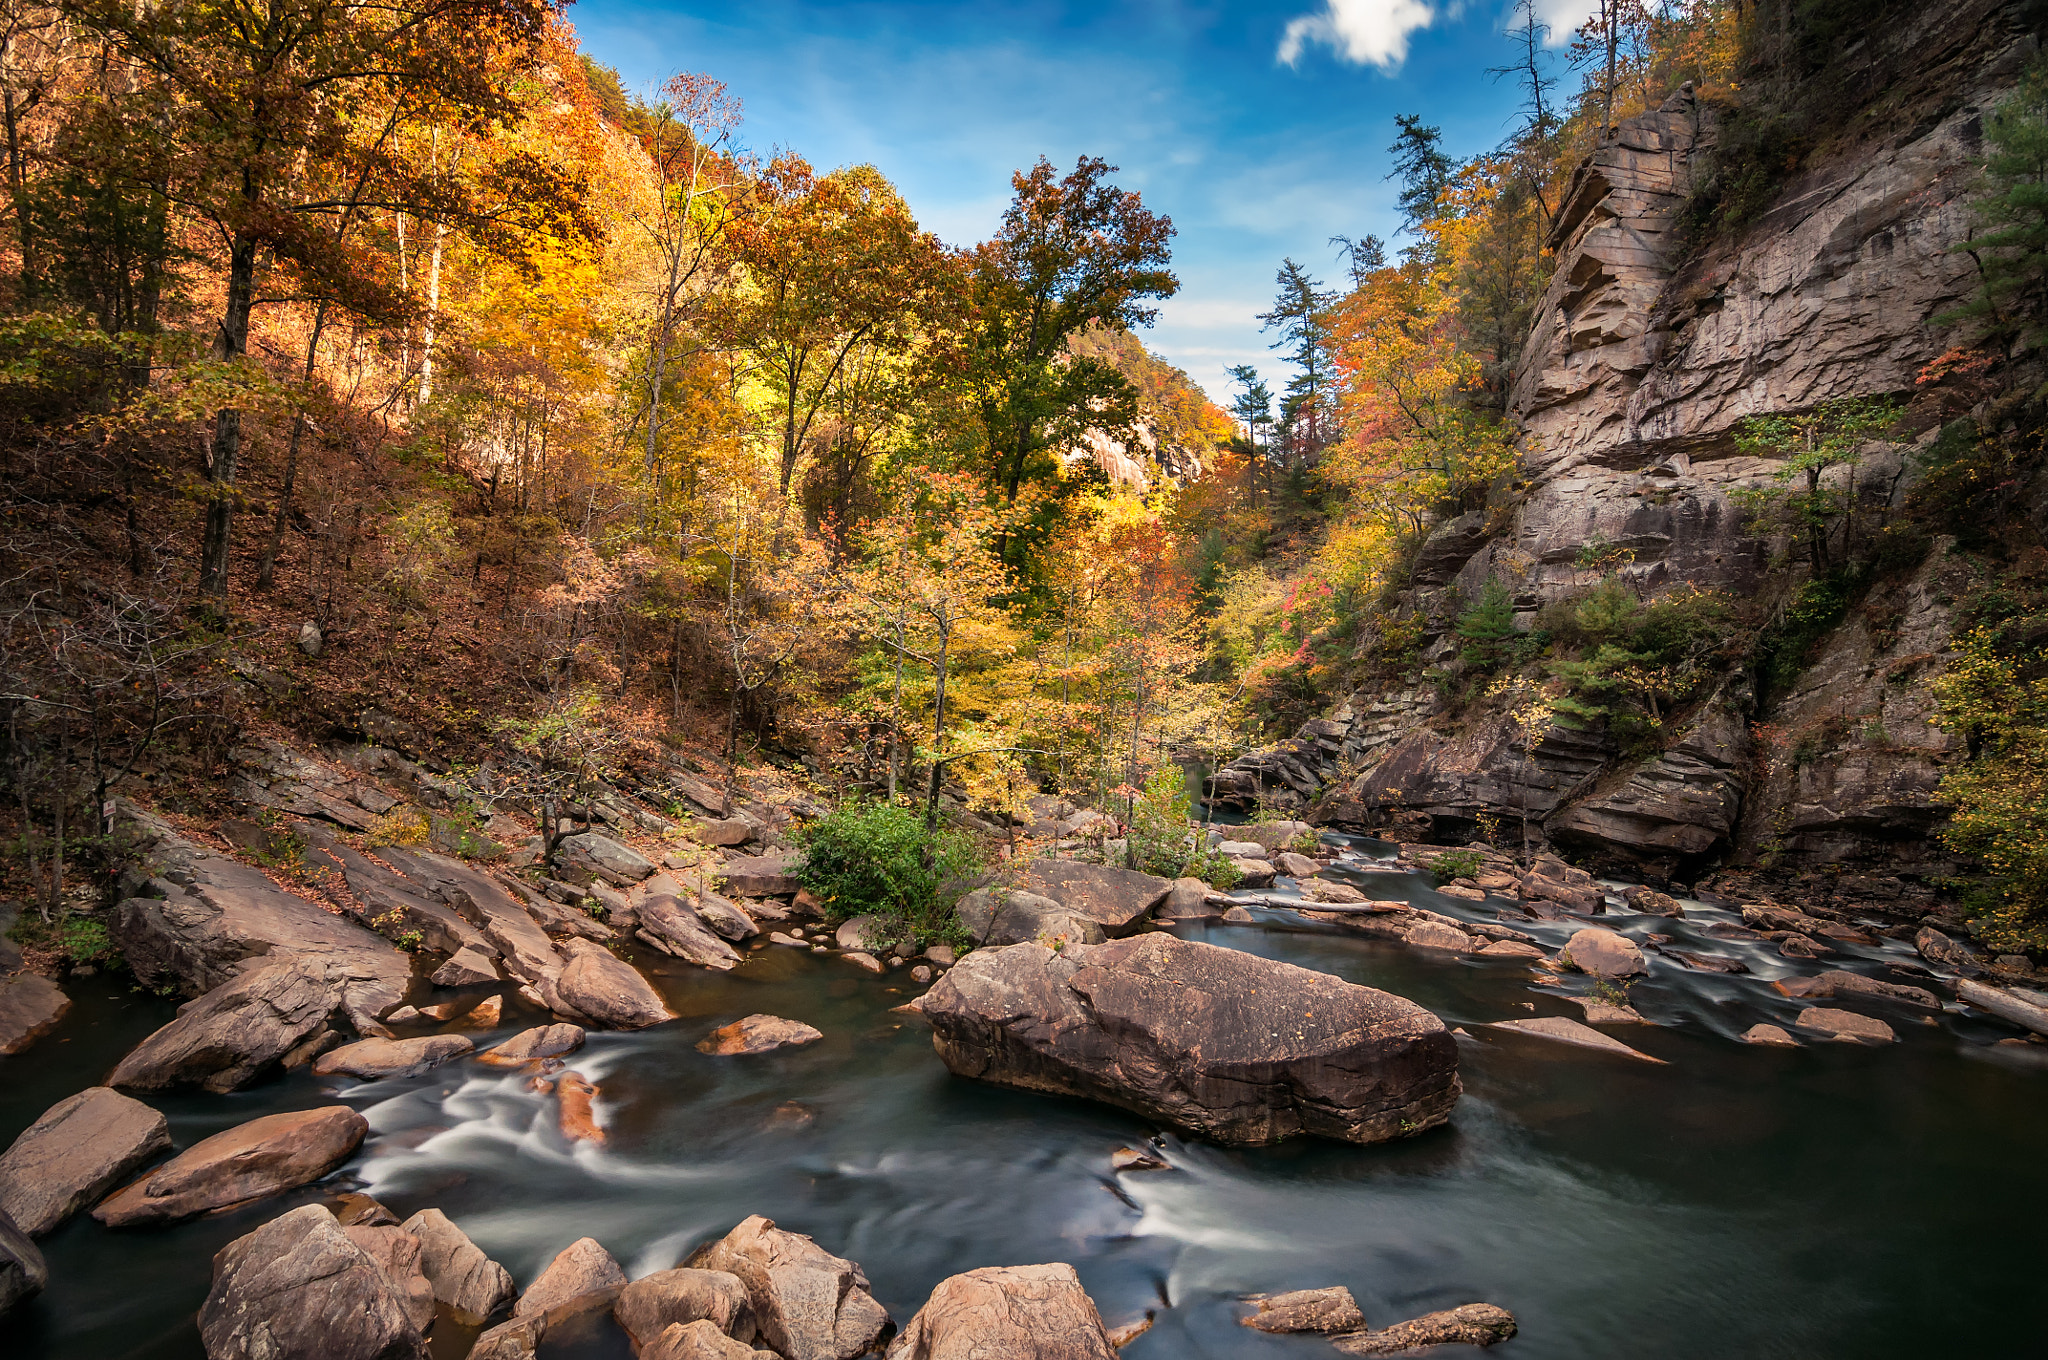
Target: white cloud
{"x": 1564, "y": 18}
{"x": 1362, "y": 31}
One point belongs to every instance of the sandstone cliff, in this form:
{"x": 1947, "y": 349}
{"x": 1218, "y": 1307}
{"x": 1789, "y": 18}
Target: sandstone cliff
{"x": 1645, "y": 356}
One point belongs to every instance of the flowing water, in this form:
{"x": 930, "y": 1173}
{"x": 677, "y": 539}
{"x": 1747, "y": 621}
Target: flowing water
{"x": 1829, "y": 1201}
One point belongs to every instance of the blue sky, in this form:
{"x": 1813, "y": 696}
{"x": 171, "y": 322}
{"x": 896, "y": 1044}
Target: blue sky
{"x": 1260, "y": 126}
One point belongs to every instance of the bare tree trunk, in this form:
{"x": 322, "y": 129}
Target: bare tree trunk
{"x": 232, "y": 342}
{"x": 266, "y": 572}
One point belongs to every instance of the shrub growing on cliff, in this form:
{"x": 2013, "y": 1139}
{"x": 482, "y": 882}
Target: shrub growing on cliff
{"x": 1488, "y": 627}
{"x": 2012, "y": 253}
{"x": 877, "y": 859}
{"x": 2000, "y": 795}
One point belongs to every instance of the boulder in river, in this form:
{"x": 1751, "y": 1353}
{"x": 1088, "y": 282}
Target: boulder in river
{"x": 758, "y": 1034}
{"x": 1437, "y": 935}
{"x": 1845, "y": 1025}
{"x": 80, "y": 1148}
{"x": 575, "y": 1097}
{"x": 1186, "y": 900}
{"x": 650, "y": 1306}
{"x": 1239, "y": 1048}
{"x": 1007, "y": 1313}
{"x": 518, "y": 1339}
{"x": 1650, "y": 902}
{"x": 1840, "y": 982}
{"x": 1305, "y": 1310}
{"x": 236, "y": 1032}
{"x": 601, "y": 985}
{"x": 994, "y": 916}
{"x": 1296, "y": 866}
{"x": 23, "y": 1272}
{"x": 298, "y": 1287}
{"x": 1557, "y": 1029}
{"x": 1473, "y": 1324}
{"x": 374, "y": 1058}
{"x": 30, "y": 1007}
{"x": 1253, "y": 873}
{"x": 531, "y": 1045}
{"x": 465, "y": 1279}
{"x": 808, "y": 1304}
{"x": 582, "y": 1278}
{"x": 1118, "y": 900}
{"x": 1604, "y": 953}
{"x": 759, "y": 876}
{"x": 674, "y": 927}
{"x": 1768, "y": 1036}
{"x": 397, "y": 1252}
{"x": 1273, "y": 835}
{"x": 700, "y": 1340}
{"x": 265, "y": 1156}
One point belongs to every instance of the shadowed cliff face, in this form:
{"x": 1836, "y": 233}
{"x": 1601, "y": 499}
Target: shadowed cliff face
{"x": 1645, "y": 357}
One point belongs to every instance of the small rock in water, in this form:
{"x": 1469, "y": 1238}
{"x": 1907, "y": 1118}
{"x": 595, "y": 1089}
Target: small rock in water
{"x": 779, "y": 937}
{"x": 1599, "y": 1012}
{"x": 353, "y": 1209}
{"x": 578, "y": 1121}
{"x": 1474, "y": 1324}
{"x": 1846, "y": 1026}
{"x": 465, "y": 1279}
{"x": 790, "y": 1115}
{"x": 1131, "y": 1159}
{"x": 1436, "y": 935}
{"x": 1326, "y": 890}
{"x": 1604, "y": 953}
{"x": 1561, "y": 1030}
{"x": 1769, "y": 1036}
{"x": 544, "y": 1041}
{"x": 758, "y": 1034}
{"x": 921, "y": 973}
{"x": 1463, "y": 892}
{"x": 866, "y": 961}
{"x": 518, "y": 1339}
{"x": 1707, "y": 963}
{"x": 942, "y": 955}
{"x": 1123, "y": 1335}
{"x": 1239, "y": 916}
{"x": 265, "y": 1156}
{"x": 1650, "y": 902}
{"x": 1510, "y": 949}
{"x": 371, "y": 1059}
{"x": 485, "y": 1014}
{"x": 1795, "y": 946}
{"x": 1306, "y": 1310}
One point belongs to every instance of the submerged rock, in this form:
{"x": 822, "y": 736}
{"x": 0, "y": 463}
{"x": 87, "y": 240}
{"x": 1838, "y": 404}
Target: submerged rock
{"x": 1305, "y": 1310}
{"x": 1769, "y": 1036}
{"x": 518, "y": 1339}
{"x": 298, "y": 1287}
{"x": 574, "y": 1094}
{"x": 1242, "y": 1049}
{"x": 648, "y": 1307}
{"x": 463, "y": 1277}
{"x": 1473, "y": 1324}
{"x": 80, "y": 1148}
{"x": 250, "y": 1161}
{"x": 807, "y": 1303}
{"x": 758, "y": 1034}
{"x": 1007, "y": 1313}
{"x": 1836, "y": 982}
{"x": 236, "y": 1032}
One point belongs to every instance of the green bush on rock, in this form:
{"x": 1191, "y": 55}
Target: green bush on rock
{"x": 875, "y": 859}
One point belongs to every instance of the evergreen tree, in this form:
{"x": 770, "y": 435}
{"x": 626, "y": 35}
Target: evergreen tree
{"x": 2012, "y": 256}
{"x": 1254, "y": 407}
{"x": 1422, "y": 168}
{"x": 1362, "y": 258}
{"x": 1488, "y": 626}
{"x": 1301, "y": 313}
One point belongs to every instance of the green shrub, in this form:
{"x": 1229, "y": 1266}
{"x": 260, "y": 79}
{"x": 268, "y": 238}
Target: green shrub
{"x": 1164, "y": 838}
{"x": 1488, "y": 627}
{"x": 87, "y": 943}
{"x": 867, "y": 858}
{"x": 1452, "y": 864}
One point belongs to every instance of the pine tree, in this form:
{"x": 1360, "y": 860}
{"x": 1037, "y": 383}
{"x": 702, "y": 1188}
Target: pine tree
{"x": 2012, "y": 256}
{"x": 1301, "y": 313}
{"x": 1422, "y": 168}
{"x": 1488, "y": 626}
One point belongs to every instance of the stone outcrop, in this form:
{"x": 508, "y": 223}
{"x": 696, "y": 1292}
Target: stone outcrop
{"x": 807, "y": 1303}
{"x": 1006, "y": 1313}
{"x": 650, "y": 1306}
{"x": 30, "y": 1007}
{"x": 582, "y": 1277}
{"x": 1118, "y": 900}
{"x": 677, "y": 929}
{"x": 469, "y": 1282}
{"x": 1234, "y": 1047}
{"x": 998, "y": 916}
{"x": 263, "y": 1157}
{"x": 298, "y": 1286}
{"x": 80, "y": 1149}
{"x": 236, "y": 1032}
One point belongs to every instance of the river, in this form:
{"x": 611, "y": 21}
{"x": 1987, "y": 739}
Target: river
{"x": 1832, "y": 1200}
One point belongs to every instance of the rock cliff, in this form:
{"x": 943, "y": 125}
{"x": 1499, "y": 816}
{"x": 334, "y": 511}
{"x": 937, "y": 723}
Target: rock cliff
{"x": 1645, "y": 355}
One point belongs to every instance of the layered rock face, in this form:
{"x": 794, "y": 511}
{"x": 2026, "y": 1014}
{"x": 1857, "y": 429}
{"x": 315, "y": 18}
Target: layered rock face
{"x": 1643, "y": 361}
{"x": 1238, "y": 1048}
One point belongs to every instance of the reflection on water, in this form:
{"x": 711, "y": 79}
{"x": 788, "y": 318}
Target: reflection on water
{"x": 1829, "y": 1201}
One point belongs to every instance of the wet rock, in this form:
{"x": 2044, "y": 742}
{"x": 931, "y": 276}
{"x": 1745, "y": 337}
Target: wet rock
{"x": 1510, "y": 949}
{"x": 648, "y": 1307}
{"x": 22, "y": 1270}
{"x": 1118, "y": 900}
{"x": 600, "y": 985}
{"x": 235, "y": 1033}
{"x": 467, "y": 967}
{"x": 1329, "y": 890}
{"x": 1436, "y": 935}
{"x": 263, "y": 1157}
{"x": 485, "y": 1014}
{"x": 543, "y": 1041}
{"x": 1650, "y": 902}
{"x": 1186, "y": 900}
{"x": 866, "y": 962}
{"x": 1845, "y": 1025}
{"x": 1253, "y": 873}
{"x": 1604, "y": 954}
{"x": 397, "y": 1253}
{"x": 1242, "y": 1049}
{"x": 1838, "y": 982}
{"x": 30, "y": 1007}
{"x": 1241, "y": 849}
{"x": 518, "y": 1339}
{"x": 1007, "y": 1313}
{"x": 1123, "y": 1335}
{"x": 2005, "y": 1005}
{"x": 583, "y": 1277}
{"x": 1239, "y": 916}
{"x": 1936, "y": 947}
{"x": 1550, "y": 879}
{"x": 1305, "y": 1310}
{"x": 1131, "y": 1159}
{"x": 1706, "y": 963}
{"x": 759, "y": 876}
{"x": 673, "y": 927}
{"x": 942, "y": 955}
{"x": 807, "y": 1303}
{"x": 699, "y": 1340}
{"x": 79, "y": 1149}
{"x": 605, "y": 858}
{"x": 998, "y": 917}
{"x": 722, "y": 831}
{"x": 1296, "y": 866}
{"x": 1796, "y": 946}
{"x": 577, "y": 1120}
{"x": 1600, "y": 1012}
{"x": 724, "y": 918}
{"x": 780, "y": 937}
{"x": 1770, "y": 1036}
{"x": 921, "y": 974}
{"x": 465, "y": 1279}
{"x": 352, "y": 1208}
{"x": 1473, "y": 1324}
{"x": 374, "y": 1058}
{"x": 1557, "y": 1029}
{"x": 298, "y": 1287}
{"x": 758, "y": 1034}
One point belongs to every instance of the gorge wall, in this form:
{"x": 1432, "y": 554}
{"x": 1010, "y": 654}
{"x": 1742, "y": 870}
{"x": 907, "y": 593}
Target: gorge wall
{"x": 1644, "y": 357}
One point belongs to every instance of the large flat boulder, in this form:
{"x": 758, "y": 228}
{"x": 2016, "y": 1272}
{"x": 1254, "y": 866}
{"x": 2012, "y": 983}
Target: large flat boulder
{"x": 298, "y": 1287}
{"x": 1241, "y": 1049}
{"x": 374, "y": 1058}
{"x": 605, "y": 858}
{"x": 603, "y": 988}
{"x": 1007, "y": 1313}
{"x": 532, "y": 1045}
{"x": 469, "y": 1282}
{"x": 1118, "y": 900}
{"x": 996, "y": 916}
{"x": 23, "y": 1272}
{"x": 263, "y": 1157}
{"x": 807, "y": 1303}
{"x": 207, "y": 913}
{"x": 30, "y": 1007}
{"x": 759, "y": 876}
{"x": 80, "y": 1149}
{"x": 238, "y": 1031}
